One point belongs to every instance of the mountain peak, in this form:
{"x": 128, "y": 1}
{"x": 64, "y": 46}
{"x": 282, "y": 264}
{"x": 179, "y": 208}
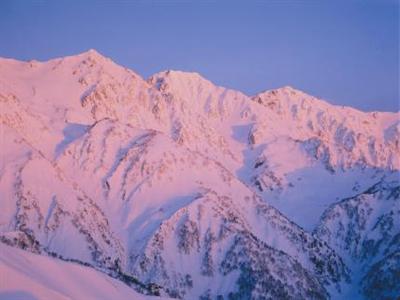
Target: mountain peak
{"x": 285, "y": 90}
{"x": 93, "y": 51}
{"x": 178, "y": 79}
{"x": 179, "y": 75}
{"x": 92, "y": 54}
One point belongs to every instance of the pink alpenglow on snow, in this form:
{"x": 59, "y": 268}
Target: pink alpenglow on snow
{"x": 117, "y": 187}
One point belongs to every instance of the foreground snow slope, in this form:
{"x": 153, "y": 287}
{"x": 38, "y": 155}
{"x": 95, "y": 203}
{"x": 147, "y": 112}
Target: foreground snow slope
{"x": 178, "y": 186}
{"x": 27, "y": 276}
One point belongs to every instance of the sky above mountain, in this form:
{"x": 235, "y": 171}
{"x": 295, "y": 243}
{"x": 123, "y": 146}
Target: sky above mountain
{"x": 345, "y": 52}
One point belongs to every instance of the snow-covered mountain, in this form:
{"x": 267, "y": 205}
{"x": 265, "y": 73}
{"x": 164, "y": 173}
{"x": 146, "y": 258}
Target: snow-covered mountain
{"x": 185, "y": 189}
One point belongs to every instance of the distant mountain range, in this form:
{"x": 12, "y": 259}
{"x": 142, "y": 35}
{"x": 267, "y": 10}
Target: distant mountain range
{"x": 180, "y": 188}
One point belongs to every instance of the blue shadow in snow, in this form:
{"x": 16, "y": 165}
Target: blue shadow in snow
{"x": 16, "y": 295}
{"x": 71, "y": 132}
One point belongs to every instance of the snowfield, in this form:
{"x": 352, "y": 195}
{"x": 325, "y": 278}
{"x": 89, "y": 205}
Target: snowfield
{"x": 175, "y": 187}
{"x": 28, "y": 276}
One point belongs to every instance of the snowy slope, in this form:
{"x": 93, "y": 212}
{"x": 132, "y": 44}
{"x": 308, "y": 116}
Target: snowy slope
{"x": 364, "y": 230}
{"x": 285, "y": 143}
{"x": 180, "y": 186}
{"x": 26, "y": 276}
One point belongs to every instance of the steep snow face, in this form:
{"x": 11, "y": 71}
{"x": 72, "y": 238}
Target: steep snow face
{"x": 365, "y": 231}
{"x": 153, "y": 188}
{"x": 348, "y": 137}
{"x": 204, "y": 117}
{"x": 43, "y": 209}
{"x": 286, "y": 144}
{"x": 174, "y": 183}
{"x": 31, "y": 276}
{"x": 238, "y": 247}
{"x": 382, "y": 279}
{"x": 308, "y": 153}
{"x": 196, "y": 94}
{"x": 145, "y": 179}
{"x": 302, "y": 186}
{"x": 372, "y": 216}
{"x": 44, "y": 101}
